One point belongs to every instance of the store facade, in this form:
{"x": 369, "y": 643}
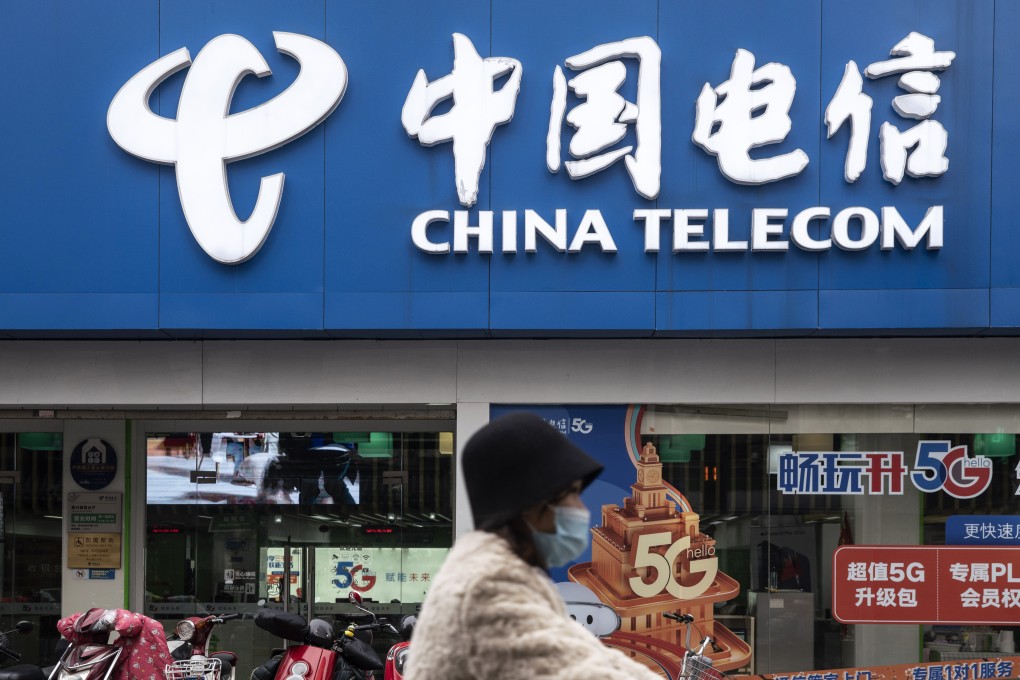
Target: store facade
{"x": 758, "y": 261}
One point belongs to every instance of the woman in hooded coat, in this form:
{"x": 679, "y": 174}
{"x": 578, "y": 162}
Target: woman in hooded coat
{"x": 492, "y": 612}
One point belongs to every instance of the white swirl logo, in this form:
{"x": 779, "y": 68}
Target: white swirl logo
{"x": 204, "y": 137}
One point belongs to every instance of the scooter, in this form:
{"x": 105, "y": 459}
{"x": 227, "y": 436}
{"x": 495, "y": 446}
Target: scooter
{"x": 92, "y": 656}
{"x": 190, "y": 659}
{"x": 321, "y": 654}
{"x": 21, "y": 671}
{"x": 396, "y": 657}
{"x": 396, "y": 661}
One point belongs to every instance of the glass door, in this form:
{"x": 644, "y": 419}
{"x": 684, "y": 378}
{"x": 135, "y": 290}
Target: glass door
{"x": 299, "y": 519}
{"x": 388, "y": 544}
{"x": 31, "y": 483}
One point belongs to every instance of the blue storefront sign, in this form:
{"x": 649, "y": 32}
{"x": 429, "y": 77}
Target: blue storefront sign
{"x": 588, "y": 168}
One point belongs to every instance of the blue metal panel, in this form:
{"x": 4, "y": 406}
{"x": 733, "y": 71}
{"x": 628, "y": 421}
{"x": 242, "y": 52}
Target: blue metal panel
{"x": 699, "y": 42}
{"x": 964, "y": 309}
{"x": 425, "y": 311}
{"x": 865, "y": 32}
{"x": 572, "y": 310}
{"x": 77, "y": 222}
{"x": 736, "y": 311}
{"x": 1005, "y": 227}
{"x": 281, "y": 286}
{"x": 378, "y": 179}
{"x": 520, "y": 179}
{"x": 243, "y": 311}
{"x": 1005, "y": 308}
{"x": 69, "y": 311}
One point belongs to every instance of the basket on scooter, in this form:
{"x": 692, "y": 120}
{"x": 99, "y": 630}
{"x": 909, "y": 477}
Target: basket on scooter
{"x": 208, "y": 669}
{"x": 698, "y": 667}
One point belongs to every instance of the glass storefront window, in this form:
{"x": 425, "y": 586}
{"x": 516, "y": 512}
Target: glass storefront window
{"x": 31, "y": 497}
{"x": 802, "y": 538}
{"x": 758, "y": 479}
{"x": 298, "y": 519}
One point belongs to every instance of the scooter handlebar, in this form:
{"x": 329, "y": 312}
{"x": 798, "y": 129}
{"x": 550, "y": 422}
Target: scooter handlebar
{"x": 376, "y": 626}
{"x": 682, "y": 618}
{"x": 14, "y": 656}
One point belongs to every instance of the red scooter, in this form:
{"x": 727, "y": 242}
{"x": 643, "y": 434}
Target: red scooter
{"x": 91, "y": 655}
{"x": 321, "y": 655}
{"x": 190, "y": 659}
{"x": 396, "y": 660}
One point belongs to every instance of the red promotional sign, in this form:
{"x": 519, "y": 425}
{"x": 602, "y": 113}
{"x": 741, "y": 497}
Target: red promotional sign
{"x": 992, "y": 666}
{"x": 967, "y": 585}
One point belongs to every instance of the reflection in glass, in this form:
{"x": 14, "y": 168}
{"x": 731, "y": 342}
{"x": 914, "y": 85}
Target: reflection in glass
{"x": 233, "y": 517}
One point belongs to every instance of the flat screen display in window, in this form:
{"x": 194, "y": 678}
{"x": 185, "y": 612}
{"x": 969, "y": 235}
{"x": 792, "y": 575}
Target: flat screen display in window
{"x": 260, "y": 468}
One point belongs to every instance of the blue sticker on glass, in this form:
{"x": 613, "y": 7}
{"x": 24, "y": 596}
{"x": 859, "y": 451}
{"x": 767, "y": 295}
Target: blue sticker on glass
{"x": 93, "y": 464}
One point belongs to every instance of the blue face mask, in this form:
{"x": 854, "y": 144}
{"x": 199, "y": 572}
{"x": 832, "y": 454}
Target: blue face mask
{"x": 573, "y": 531}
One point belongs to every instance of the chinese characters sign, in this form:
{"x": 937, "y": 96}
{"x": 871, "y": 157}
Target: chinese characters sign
{"x": 938, "y": 466}
{"x": 747, "y": 111}
{"x": 587, "y": 111}
{"x": 93, "y": 550}
{"x": 971, "y": 669}
{"x": 750, "y": 109}
{"x": 95, "y": 512}
{"x": 382, "y": 574}
{"x": 94, "y": 525}
{"x": 93, "y": 464}
{"x": 983, "y": 530}
{"x": 926, "y": 584}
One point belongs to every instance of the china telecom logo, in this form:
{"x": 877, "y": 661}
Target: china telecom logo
{"x": 204, "y": 138}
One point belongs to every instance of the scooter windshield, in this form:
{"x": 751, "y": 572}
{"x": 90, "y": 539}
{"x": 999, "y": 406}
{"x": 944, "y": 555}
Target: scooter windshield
{"x": 87, "y": 656}
{"x": 87, "y": 662}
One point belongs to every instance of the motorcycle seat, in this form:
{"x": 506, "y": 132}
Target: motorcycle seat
{"x": 22, "y": 671}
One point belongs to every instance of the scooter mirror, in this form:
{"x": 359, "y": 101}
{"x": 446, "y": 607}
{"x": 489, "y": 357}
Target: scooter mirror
{"x": 406, "y": 625}
{"x": 262, "y": 602}
{"x": 354, "y": 598}
{"x": 24, "y": 626}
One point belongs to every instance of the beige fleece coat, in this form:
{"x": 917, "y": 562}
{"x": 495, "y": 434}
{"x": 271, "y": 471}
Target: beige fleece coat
{"x": 489, "y": 615}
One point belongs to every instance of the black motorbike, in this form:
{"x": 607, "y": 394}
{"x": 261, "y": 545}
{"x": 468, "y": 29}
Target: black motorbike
{"x": 21, "y": 671}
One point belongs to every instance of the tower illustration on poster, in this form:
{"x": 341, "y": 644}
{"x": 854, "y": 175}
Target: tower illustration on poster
{"x": 650, "y": 558}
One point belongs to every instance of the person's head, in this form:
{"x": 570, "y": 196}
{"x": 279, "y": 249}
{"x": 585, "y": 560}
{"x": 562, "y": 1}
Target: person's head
{"x": 524, "y": 481}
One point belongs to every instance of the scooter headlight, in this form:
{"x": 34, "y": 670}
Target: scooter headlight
{"x": 400, "y": 660}
{"x": 185, "y": 629}
{"x": 298, "y": 670}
